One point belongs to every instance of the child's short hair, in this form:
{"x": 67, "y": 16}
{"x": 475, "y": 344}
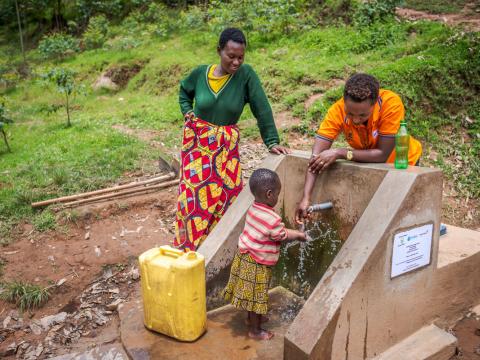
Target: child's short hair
{"x": 263, "y": 180}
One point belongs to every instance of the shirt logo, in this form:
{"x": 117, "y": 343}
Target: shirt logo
{"x": 375, "y": 133}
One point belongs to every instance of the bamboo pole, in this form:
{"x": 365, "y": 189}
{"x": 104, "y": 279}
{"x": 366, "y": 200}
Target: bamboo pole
{"x": 122, "y": 193}
{"x": 103, "y": 191}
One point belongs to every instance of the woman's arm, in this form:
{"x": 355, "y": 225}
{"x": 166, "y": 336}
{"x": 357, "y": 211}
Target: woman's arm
{"x": 187, "y": 92}
{"x": 262, "y": 111}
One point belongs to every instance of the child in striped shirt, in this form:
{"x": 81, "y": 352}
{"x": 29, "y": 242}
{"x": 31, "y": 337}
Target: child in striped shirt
{"x": 258, "y": 250}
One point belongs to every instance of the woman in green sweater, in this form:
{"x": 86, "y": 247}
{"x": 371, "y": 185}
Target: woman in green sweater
{"x": 212, "y": 99}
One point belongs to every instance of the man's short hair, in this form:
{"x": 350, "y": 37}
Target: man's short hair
{"x": 360, "y": 87}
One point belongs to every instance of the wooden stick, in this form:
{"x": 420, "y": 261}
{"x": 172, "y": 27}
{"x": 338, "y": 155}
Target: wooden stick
{"x": 121, "y": 193}
{"x": 103, "y": 191}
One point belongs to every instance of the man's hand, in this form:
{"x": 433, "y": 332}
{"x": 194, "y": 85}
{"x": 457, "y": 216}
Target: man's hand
{"x": 301, "y": 212}
{"x": 322, "y": 161}
{"x": 279, "y": 149}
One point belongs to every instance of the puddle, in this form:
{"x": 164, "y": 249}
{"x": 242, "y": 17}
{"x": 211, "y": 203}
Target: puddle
{"x": 302, "y": 265}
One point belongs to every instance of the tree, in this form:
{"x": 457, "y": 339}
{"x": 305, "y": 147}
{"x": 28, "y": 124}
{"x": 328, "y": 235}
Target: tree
{"x": 20, "y": 31}
{"x": 3, "y": 121}
{"x": 64, "y": 80}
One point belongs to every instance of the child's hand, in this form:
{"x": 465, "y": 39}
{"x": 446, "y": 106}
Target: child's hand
{"x": 301, "y": 236}
{"x": 296, "y": 235}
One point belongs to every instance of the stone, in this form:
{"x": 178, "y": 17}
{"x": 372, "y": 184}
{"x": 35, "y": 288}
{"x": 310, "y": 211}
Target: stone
{"x": 134, "y": 274}
{"x": 47, "y": 321}
{"x": 6, "y": 321}
{"x": 36, "y": 329}
{"x": 114, "y": 305}
{"x": 10, "y": 350}
{"x": 104, "y": 82}
{"x": 105, "y": 352}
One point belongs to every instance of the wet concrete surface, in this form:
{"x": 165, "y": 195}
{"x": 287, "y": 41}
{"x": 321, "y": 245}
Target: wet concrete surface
{"x": 226, "y": 336}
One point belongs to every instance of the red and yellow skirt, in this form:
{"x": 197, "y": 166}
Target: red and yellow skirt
{"x": 210, "y": 181}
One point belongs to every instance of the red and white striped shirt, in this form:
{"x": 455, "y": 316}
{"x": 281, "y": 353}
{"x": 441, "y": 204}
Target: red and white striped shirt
{"x": 263, "y": 232}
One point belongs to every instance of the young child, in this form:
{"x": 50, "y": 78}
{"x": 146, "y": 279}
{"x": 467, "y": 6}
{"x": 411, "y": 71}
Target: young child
{"x": 258, "y": 250}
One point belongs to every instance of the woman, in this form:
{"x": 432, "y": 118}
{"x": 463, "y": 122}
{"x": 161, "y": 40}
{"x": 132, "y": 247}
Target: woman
{"x": 212, "y": 99}
{"x": 369, "y": 117}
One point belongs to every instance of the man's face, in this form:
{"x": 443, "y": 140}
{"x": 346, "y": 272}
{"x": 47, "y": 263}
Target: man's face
{"x": 358, "y": 112}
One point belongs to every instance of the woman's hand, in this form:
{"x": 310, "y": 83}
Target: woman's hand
{"x": 279, "y": 149}
{"x": 322, "y": 161}
{"x": 301, "y": 213}
{"x": 189, "y": 116}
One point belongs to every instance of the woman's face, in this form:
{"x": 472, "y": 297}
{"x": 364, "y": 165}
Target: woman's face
{"x": 231, "y": 56}
{"x": 358, "y": 112}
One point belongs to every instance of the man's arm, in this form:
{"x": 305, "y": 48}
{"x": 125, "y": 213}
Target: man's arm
{"x": 380, "y": 154}
{"x": 320, "y": 145}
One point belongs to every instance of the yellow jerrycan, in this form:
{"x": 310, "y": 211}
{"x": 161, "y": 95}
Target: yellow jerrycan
{"x": 174, "y": 292}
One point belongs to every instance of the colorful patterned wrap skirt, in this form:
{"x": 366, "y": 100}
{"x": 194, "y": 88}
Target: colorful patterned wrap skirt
{"x": 247, "y": 288}
{"x": 210, "y": 181}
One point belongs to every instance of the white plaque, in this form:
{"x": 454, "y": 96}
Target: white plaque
{"x": 411, "y": 249}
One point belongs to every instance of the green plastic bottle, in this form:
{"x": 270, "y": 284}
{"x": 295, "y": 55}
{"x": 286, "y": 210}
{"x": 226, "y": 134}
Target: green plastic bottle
{"x": 402, "y": 142}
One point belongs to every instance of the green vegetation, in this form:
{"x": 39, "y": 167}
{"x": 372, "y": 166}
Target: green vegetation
{"x": 148, "y": 48}
{"x": 25, "y": 296}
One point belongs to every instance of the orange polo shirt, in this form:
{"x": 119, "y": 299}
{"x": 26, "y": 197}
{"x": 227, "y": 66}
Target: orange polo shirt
{"x": 384, "y": 121}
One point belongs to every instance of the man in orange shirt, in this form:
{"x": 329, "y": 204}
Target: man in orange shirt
{"x": 369, "y": 118}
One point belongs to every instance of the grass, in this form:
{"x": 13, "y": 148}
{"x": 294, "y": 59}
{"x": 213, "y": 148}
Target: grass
{"x": 25, "y": 296}
{"x": 434, "y": 69}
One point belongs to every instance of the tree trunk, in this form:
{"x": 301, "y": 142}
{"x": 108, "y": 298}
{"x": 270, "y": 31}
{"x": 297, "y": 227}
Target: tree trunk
{"x": 57, "y": 14}
{"x": 5, "y": 139}
{"x": 20, "y": 31}
{"x": 68, "y": 112}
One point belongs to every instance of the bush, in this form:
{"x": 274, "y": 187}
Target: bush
{"x": 194, "y": 18}
{"x": 269, "y": 18}
{"x": 58, "y": 46}
{"x": 96, "y": 33}
{"x": 155, "y": 20}
{"x": 372, "y": 11}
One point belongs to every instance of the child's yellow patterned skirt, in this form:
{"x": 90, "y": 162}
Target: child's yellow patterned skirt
{"x": 247, "y": 288}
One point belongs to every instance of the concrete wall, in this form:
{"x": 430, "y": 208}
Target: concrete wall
{"x": 357, "y": 311}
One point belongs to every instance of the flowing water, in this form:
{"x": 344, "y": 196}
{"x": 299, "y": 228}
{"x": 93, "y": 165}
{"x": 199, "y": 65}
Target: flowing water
{"x": 302, "y": 265}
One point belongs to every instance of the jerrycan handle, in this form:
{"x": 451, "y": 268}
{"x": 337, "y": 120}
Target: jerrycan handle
{"x": 169, "y": 251}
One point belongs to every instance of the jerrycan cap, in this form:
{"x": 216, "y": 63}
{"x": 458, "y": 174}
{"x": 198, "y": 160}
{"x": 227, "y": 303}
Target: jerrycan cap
{"x": 191, "y": 255}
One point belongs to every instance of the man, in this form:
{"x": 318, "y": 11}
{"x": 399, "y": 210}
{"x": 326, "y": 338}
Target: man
{"x": 369, "y": 118}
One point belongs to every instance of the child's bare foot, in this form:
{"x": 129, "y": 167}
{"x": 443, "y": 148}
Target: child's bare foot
{"x": 263, "y": 320}
{"x": 260, "y": 335}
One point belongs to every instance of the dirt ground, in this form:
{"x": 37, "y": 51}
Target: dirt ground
{"x": 467, "y": 332}
{"x": 468, "y": 18}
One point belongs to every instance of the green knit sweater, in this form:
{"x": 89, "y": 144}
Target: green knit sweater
{"x": 226, "y": 106}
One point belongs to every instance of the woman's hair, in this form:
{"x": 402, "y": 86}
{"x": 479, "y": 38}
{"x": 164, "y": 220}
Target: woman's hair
{"x": 360, "y": 87}
{"x": 263, "y": 180}
{"x": 233, "y": 34}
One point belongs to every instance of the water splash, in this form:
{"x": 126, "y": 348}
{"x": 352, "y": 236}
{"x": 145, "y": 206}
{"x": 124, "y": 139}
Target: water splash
{"x": 302, "y": 264}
